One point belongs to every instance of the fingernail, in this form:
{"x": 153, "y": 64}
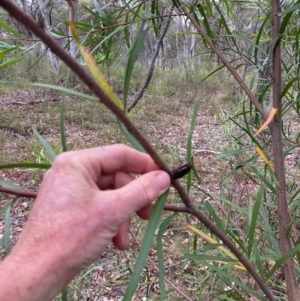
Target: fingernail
{"x": 163, "y": 181}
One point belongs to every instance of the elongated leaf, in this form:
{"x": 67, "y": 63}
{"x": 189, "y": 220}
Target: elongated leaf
{"x": 233, "y": 280}
{"x": 145, "y": 248}
{"x": 258, "y": 259}
{"x": 295, "y": 7}
{"x": 281, "y": 261}
{"x": 160, "y": 256}
{"x": 25, "y": 165}
{"x": 214, "y": 215}
{"x": 64, "y": 295}
{"x": 267, "y": 122}
{"x": 202, "y": 257}
{"x": 7, "y": 230}
{"x": 62, "y": 125}
{"x": 11, "y": 62}
{"x": 4, "y": 208}
{"x": 264, "y": 157}
{"x": 46, "y": 145}
{"x": 10, "y": 29}
{"x": 258, "y": 38}
{"x": 221, "y": 247}
{"x": 195, "y": 173}
{"x": 263, "y": 179}
{"x": 206, "y": 22}
{"x": 7, "y": 50}
{"x": 127, "y": 33}
{"x": 65, "y": 90}
{"x": 253, "y": 222}
{"x": 133, "y": 55}
{"x": 100, "y": 11}
{"x": 10, "y": 185}
{"x": 189, "y": 143}
{"x": 95, "y": 71}
{"x": 154, "y": 12}
{"x": 268, "y": 229}
{"x": 130, "y": 138}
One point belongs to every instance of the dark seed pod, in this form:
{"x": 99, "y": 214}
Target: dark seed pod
{"x": 180, "y": 171}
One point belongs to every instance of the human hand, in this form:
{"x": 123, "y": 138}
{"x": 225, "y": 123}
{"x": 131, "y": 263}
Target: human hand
{"x": 85, "y": 202}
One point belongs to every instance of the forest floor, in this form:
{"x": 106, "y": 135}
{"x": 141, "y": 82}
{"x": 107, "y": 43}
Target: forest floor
{"x": 166, "y": 123}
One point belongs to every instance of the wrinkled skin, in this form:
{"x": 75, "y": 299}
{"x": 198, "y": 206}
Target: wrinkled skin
{"x": 84, "y": 203}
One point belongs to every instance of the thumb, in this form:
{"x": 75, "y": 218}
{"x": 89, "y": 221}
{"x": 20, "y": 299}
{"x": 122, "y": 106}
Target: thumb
{"x": 141, "y": 192}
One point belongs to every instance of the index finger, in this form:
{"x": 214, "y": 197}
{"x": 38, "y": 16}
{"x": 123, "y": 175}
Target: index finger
{"x": 117, "y": 157}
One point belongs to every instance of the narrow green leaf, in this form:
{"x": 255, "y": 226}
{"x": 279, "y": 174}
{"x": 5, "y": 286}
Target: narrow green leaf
{"x": 130, "y": 138}
{"x": 271, "y": 234}
{"x": 11, "y": 62}
{"x": 101, "y": 13}
{"x": 214, "y": 215}
{"x": 160, "y": 256}
{"x": 220, "y": 271}
{"x": 145, "y": 247}
{"x": 25, "y": 165}
{"x": 263, "y": 179}
{"x": 10, "y": 185}
{"x": 281, "y": 261}
{"x": 46, "y": 145}
{"x": 62, "y": 117}
{"x": 7, "y": 50}
{"x": 64, "y": 295}
{"x": 288, "y": 85}
{"x": 4, "y": 208}
{"x": 62, "y": 125}
{"x": 127, "y": 33}
{"x": 262, "y": 26}
{"x": 56, "y": 33}
{"x": 65, "y": 90}
{"x": 189, "y": 143}
{"x": 206, "y": 22}
{"x": 10, "y": 29}
{"x": 295, "y": 7}
{"x": 154, "y": 12}
{"x": 258, "y": 260}
{"x": 253, "y": 220}
{"x": 292, "y": 198}
{"x": 7, "y": 230}
{"x": 195, "y": 173}
{"x": 133, "y": 54}
{"x": 201, "y": 257}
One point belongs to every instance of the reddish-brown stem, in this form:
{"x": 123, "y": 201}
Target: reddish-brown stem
{"x": 175, "y": 208}
{"x": 18, "y": 192}
{"x": 31, "y": 24}
{"x": 275, "y": 128}
{"x": 33, "y": 195}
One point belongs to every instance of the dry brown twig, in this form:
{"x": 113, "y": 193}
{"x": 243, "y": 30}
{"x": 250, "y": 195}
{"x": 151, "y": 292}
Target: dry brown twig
{"x": 32, "y": 25}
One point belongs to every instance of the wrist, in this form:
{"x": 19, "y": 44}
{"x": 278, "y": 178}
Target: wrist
{"x": 32, "y": 276}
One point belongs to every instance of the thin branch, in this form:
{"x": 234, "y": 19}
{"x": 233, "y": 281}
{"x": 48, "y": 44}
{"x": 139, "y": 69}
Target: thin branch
{"x": 31, "y": 24}
{"x": 18, "y": 192}
{"x": 150, "y": 73}
{"x": 226, "y": 63}
{"x": 33, "y": 195}
{"x": 175, "y": 208}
